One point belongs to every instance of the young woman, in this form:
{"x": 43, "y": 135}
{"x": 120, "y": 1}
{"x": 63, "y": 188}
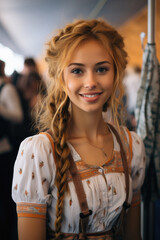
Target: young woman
{"x": 86, "y": 61}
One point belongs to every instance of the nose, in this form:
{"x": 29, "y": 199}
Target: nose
{"x": 90, "y": 81}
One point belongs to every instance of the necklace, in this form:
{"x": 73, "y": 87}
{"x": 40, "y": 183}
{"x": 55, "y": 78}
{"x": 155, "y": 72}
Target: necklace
{"x": 100, "y": 148}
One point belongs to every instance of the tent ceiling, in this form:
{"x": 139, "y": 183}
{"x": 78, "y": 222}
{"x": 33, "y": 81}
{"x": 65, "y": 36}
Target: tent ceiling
{"x": 25, "y": 25}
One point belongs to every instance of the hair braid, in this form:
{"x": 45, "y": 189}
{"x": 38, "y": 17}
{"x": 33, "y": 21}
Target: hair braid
{"x": 62, "y": 155}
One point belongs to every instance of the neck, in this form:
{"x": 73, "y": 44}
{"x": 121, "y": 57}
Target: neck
{"x": 88, "y": 125}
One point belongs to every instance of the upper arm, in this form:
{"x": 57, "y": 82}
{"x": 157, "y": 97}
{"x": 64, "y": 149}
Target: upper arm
{"x": 132, "y": 224}
{"x": 31, "y": 228}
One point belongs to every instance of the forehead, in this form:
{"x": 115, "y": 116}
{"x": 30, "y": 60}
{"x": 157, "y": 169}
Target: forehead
{"x": 90, "y": 50}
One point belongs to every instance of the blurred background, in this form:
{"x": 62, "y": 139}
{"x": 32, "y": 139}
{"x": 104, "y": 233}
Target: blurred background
{"x": 25, "y": 26}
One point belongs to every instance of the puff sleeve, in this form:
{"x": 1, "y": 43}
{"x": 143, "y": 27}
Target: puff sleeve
{"x": 34, "y": 175}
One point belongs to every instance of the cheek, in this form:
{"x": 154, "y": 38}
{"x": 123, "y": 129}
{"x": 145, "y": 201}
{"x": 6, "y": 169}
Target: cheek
{"x": 71, "y": 86}
{"x": 109, "y": 82}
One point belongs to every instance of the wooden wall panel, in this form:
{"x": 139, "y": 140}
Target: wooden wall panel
{"x": 131, "y": 31}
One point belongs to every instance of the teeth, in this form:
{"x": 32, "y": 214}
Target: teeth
{"x": 90, "y": 96}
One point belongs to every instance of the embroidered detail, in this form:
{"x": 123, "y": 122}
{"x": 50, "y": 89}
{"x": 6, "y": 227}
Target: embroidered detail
{"x": 115, "y": 165}
{"x": 70, "y": 202}
{"x": 32, "y": 175}
{"x": 43, "y": 181}
{"x": 22, "y": 152}
{"x": 31, "y": 210}
{"x": 16, "y": 186}
{"x": 30, "y": 139}
{"x": 137, "y": 142}
{"x": 114, "y": 191}
{"x": 32, "y": 156}
{"x": 41, "y": 164}
{"x": 88, "y": 182}
{"x": 20, "y": 171}
{"x": 26, "y": 193}
{"x": 109, "y": 188}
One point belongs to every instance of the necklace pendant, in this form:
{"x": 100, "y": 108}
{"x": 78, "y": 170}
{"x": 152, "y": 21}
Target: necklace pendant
{"x": 105, "y": 154}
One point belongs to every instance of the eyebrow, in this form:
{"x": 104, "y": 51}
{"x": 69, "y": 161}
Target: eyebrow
{"x": 82, "y": 65}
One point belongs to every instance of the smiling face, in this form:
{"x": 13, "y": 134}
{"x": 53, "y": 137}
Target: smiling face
{"x": 89, "y": 76}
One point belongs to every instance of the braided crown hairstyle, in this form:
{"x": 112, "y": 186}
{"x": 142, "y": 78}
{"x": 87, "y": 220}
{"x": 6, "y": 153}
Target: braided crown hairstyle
{"x": 54, "y": 113}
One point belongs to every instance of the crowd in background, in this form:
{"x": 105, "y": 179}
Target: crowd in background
{"x": 18, "y": 97}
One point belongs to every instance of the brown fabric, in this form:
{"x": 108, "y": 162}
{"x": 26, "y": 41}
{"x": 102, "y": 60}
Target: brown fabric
{"x": 115, "y": 233}
{"x": 105, "y": 235}
{"x": 119, "y": 227}
{"x": 81, "y": 196}
{"x": 124, "y": 160}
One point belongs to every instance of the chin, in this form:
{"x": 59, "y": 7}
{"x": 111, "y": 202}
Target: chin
{"x": 92, "y": 110}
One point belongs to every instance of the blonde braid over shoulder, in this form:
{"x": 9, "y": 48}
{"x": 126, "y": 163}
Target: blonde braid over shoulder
{"x": 62, "y": 159}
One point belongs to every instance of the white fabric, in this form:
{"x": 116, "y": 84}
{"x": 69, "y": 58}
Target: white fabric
{"x": 35, "y": 157}
{"x": 132, "y": 83}
{"x": 10, "y": 106}
{"x": 10, "y": 109}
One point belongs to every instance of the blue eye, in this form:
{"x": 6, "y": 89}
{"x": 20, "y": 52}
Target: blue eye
{"x": 102, "y": 70}
{"x": 77, "y": 71}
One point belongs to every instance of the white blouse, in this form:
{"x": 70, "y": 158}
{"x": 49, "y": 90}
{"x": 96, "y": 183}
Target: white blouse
{"x": 34, "y": 178}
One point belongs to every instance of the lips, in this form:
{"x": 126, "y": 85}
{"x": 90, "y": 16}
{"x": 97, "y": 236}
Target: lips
{"x": 90, "y": 94}
{"x": 89, "y": 97}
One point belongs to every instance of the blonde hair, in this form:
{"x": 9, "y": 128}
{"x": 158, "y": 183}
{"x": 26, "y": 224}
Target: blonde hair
{"x": 54, "y": 113}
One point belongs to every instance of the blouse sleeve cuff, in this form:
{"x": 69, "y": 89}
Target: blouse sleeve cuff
{"x": 31, "y": 210}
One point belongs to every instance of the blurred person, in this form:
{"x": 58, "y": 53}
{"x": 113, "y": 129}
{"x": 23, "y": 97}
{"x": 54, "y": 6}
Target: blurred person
{"x": 27, "y": 83}
{"x": 132, "y": 80}
{"x": 30, "y": 87}
{"x": 10, "y": 113}
{"x": 29, "y": 66}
